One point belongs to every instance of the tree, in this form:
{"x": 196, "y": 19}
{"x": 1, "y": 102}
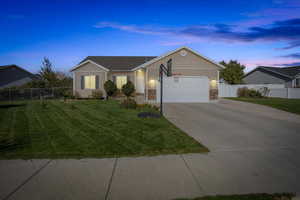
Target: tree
{"x": 47, "y": 73}
{"x": 233, "y": 72}
{"x": 110, "y": 88}
{"x": 128, "y": 89}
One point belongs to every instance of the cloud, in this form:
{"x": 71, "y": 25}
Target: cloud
{"x": 288, "y": 30}
{"x": 291, "y": 64}
{"x": 280, "y": 62}
{"x": 284, "y": 30}
{"x": 292, "y": 55}
{"x": 291, "y": 45}
{"x": 131, "y": 28}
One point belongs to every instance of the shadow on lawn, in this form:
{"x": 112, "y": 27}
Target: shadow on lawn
{"x": 11, "y": 105}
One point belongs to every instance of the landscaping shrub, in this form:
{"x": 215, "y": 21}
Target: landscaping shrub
{"x": 128, "y": 89}
{"x": 97, "y": 94}
{"x": 245, "y": 92}
{"x": 254, "y": 93}
{"x": 147, "y": 106}
{"x": 129, "y": 104}
{"x": 110, "y": 88}
{"x": 264, "y": 91}
{"x": 67, "y": 93}
{"x": 242, "y": 92}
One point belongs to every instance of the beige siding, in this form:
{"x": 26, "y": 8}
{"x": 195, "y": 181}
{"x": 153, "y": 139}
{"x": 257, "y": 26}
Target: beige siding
{"x": 189, "y": 65}
{"x": 88, "y": 69}
{"x": 92, "y": 69}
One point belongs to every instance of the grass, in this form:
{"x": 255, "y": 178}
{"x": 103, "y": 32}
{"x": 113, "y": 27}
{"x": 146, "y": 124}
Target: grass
{"x": 279, "y": 196}
{"x": 87, "y": 128}
{"x": 289, "y": 105}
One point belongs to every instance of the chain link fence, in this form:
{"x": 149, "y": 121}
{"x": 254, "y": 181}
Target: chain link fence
{"x": 11, "y": 94}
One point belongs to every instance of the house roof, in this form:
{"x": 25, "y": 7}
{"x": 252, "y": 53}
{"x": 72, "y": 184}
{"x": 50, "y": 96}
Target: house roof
{"x": 284, "y": 72}
{"x": 116, "y": 63}
{"x": 11, "y": 73}
{"x": 131, "y": 63}
{"x": 178, "y": 49}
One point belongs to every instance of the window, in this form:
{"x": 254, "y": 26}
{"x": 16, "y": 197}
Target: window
{"x": 297, "y": 82}
{"x": 90, "y": 82}
{"x": 120, "y": 81}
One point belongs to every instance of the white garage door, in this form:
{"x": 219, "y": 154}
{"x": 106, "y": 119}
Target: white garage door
{"x": 185, "y": 89}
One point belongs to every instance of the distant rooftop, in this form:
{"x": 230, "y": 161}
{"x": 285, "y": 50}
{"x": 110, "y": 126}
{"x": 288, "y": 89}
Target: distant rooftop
{"x": 290, "y": 72}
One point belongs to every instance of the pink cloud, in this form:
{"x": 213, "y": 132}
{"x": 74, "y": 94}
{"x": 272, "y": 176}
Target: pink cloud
{"x": 280, "y": 62}
{"x": 133, "y": 28}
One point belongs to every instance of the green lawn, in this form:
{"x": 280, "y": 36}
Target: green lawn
{"x": 86, "y": 128}
{"x": 289, "y": 105}
{"x": 279, "y": 196}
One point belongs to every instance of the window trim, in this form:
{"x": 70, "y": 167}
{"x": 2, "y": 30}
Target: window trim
{"x": 84, "y": 79}
{"x": 118, "y": 76}
{"x": 295, "y": 82}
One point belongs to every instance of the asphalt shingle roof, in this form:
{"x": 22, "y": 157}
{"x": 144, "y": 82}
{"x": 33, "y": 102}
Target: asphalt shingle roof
{"x": 116, "y": 63}
{"x": 11, "y": 73}
{"x": 286, "y": 71}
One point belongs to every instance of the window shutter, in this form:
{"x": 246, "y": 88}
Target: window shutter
{"x": 114, "y": 79}
{"x": 97, "y": 81}
{"x": 82, "y": 82}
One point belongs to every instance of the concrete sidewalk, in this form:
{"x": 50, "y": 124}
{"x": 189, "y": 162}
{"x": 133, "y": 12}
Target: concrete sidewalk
{"x": 159, "y": 177}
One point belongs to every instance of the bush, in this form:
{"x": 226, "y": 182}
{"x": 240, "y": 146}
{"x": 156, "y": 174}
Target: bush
{"x": 97, "y": 94}
{"x": 265, "y": 91}
{"x": 129, "y": 104}
{"x": 128, "y": 89}
{"x": 67, "y": 94}
{"x": 254, "y": 93}
{"x": 242, "y": 92}
{"x": 245, "y": 92}
{"x": 147, "y": 106}
{"x": 110, "y": 88}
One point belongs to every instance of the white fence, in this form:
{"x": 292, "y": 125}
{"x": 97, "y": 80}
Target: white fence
{"x": 226, "y": 90}
{"x": 276, "y": 90}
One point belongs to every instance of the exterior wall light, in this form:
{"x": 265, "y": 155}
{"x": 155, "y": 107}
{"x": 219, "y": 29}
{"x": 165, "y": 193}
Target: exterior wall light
{"x": 213, "y": 84}
{"x": 152, "y": 83}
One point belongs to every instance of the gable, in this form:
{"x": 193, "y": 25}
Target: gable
{"x": 176, "y": 53}
{"x": 269, "y": 73}
{"x": 189, "y": 65}
{"x": 261, "y": 77}
{"x": 88, "y": 66}
{"x": 13, "y": 73}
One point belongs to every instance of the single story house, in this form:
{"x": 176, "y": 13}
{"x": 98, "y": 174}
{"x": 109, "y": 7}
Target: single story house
{"x": 194, "y": 77}
{"x": 13, "y": 76}
{"x": 289, "y": 76}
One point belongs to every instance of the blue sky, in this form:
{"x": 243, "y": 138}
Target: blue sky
{"x": 256, "y": 32}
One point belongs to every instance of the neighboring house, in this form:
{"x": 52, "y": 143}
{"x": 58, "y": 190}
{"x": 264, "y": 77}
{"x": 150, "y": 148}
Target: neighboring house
{"x": 289, "y": 76}
{"x": 13, "y": 75}
{"x": 194, "y": 77}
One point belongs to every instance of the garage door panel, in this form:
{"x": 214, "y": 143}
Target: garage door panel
{"x": 185, "y": 89}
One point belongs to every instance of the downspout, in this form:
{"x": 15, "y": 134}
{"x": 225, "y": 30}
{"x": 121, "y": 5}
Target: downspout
{"x": 146, "y": 85}
{"x": 74, "y": 83}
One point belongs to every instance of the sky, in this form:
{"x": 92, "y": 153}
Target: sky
{"x": 254, "y": 32}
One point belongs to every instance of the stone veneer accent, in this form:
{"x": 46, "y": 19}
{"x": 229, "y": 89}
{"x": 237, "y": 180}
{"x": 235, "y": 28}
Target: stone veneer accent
{"x": 151, "y": 94}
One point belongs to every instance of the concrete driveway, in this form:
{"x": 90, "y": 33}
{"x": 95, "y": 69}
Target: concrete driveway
{"x": 254, "y": 149}
{"x": 237, "y": 126}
